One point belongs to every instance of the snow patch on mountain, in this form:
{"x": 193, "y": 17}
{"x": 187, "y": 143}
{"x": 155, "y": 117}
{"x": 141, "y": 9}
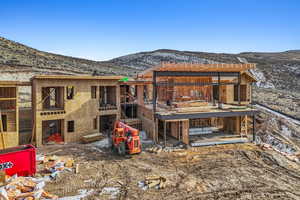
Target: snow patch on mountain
{"x": 149, "y": 59}
{"x": 262, "y": 81}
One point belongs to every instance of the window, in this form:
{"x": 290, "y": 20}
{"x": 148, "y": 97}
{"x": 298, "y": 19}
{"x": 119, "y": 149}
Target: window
{"x": 107, "y": 95}
{"x": 216, "y": 92}
{"x": 53, "y": 97}
{"x": 94, "y": 92}
{"x": 70, "y": 92}
{"x": 243, "y": 94}
{"x": 71, "y": 126}
{"x": 4, "y": 122}
{"x": 95, "y": 123}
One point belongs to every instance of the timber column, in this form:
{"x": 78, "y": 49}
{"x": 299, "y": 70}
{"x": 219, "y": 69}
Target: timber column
{"x": 154, "y": 97}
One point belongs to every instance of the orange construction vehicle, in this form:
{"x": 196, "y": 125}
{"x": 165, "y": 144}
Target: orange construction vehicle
{"x": 125, "y": 139}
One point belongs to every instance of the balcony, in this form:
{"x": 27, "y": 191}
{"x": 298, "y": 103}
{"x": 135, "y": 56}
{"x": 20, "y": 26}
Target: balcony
{"x": 107, "y": 107}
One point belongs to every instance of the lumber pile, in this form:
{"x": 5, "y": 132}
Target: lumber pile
{"x": 92, "y": 137}
{"x": 157, "y": 182}
{"x": 26, "y": 188}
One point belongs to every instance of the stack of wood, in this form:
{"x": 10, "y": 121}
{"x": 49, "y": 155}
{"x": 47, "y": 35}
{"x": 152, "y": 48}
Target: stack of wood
{"x": 92, "y": 137}
{"x": 57, "y": 163}
{"x": 26, "y": 188}
{"x": 157, "y": 182}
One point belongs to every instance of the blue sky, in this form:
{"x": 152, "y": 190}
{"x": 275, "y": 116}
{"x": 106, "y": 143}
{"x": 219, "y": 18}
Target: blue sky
{"x": 103, "y": 29}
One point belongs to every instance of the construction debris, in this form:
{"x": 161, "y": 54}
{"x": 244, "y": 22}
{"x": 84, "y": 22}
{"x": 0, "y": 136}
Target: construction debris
{"x": 159, "y": 149}
{"x": 53, "y": 165}
{"x": 110, "y": 191}
{"x": 77, "y": 169}
{"x": 104, "y": 143}
{"x": 82, "y": 193}
{"x": 292, "y": 157}
{"x": 26, "y": 188}
{"x": 157, "y": 182}
{"x": 55, "y": 139}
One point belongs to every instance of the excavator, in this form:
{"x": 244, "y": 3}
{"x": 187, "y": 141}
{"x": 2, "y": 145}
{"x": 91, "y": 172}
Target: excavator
{"x": 125, "y": 139}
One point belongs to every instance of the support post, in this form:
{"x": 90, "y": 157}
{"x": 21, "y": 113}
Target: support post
{"x": 239, "y": 88}
{"x": 156, "y": 131}
{"x": 105, "y": 95}
{"x": 252, "y": 94}
{"x": 165, "y": 133}
{"x": 154, "y": 92}
{"x": 179, "y": 131}
{"x": 253, "y": 128}
{"x": 219, "y": 91}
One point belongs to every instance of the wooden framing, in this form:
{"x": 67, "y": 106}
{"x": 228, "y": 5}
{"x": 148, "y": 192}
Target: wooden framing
{"x": 96, "y": 96}
{"x": 9, "y": 114}
{"x": 195, "y": 67}
{"x": 169, "y": 76}
{"x": 83, "y": 108}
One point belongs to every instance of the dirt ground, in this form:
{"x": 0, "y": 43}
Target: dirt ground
{"x": 236, "y": 171}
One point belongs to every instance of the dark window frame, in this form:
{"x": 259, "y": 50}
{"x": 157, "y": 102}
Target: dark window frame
{"x": 70, "y": 92}
{"x": 93, "y": 92}
{"x": 71, "y": 126}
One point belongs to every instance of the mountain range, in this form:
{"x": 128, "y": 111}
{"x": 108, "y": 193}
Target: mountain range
{"x": 274, "y": 69}
{"x": 278, "y": 72}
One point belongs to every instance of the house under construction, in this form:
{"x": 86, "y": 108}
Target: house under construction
{"x": 196, "y": 104}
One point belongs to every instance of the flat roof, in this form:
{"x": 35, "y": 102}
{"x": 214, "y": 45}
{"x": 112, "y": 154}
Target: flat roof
{"x": 197, "y": 67}
{"x": 77, "y": 77}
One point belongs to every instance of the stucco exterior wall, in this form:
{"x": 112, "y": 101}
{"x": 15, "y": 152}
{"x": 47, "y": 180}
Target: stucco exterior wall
{"x": 82, "y": 108}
